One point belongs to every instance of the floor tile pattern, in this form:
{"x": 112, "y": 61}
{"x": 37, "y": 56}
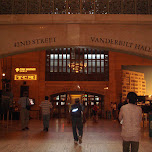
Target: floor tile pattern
{"x": 103, "y": 136}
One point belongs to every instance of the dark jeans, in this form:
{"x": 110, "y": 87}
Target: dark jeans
{"x": 114, "y": 114}
{"x": 77, "y": 124}
{"x": 134, "y": 146}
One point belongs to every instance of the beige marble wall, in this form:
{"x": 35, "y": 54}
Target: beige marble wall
{"x": 40, "y": 88}
{"x": 116, "y": 60}
{"x": 123, "y": 33}
{"x": 118, "y": 34}
{"x": 27, "y": 60}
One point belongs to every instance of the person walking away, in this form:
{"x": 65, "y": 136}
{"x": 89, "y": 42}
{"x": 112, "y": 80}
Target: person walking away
{"x": 24, "y": 112}
{"x": 76, "y": 115}
{"x": 119, "y": 106}
{"x": 69, "y": 113}
{"x": 125, "y": 102}
{"x": 114, "y": 109}
{"x": 94, "y": 110}
{"x": 111, "y": 114}
{"x": 45, "y": 107}
{"x": 130, "y": 116}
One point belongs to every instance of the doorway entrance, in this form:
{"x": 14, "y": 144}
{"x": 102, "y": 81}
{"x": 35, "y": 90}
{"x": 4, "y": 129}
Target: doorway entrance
{"x": 62, "y": 103}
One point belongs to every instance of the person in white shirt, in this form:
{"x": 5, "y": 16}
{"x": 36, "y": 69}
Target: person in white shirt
{"x": 131, "y": 116}
{"x": 46, "y": 105}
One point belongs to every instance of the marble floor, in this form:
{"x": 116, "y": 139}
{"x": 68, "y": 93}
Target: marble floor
{"x": 103, "y": 136}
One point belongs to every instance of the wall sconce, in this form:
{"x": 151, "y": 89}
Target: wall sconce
{"x": 78, "y": 86}
{"x": 3, "y": 74}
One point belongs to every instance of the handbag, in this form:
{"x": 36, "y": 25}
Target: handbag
{"x": 27, "y": 106}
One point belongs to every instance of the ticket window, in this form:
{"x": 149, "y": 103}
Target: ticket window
{"x": 62, "y": 103}
{"x": 86, "y": 103}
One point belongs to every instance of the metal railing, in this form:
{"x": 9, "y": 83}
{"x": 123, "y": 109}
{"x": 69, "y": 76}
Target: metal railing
{"x": 75, "y": 6}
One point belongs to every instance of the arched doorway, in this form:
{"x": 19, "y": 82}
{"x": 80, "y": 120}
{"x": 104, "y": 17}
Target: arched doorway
{"x": 62, "y": 102}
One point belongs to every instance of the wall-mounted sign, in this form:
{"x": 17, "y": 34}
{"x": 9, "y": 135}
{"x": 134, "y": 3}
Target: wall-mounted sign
{"x": 35, "y": 42}
{"x": 25, "y": 77}
{"x": 25, "y": 69}
{"x": 139, "y": 47}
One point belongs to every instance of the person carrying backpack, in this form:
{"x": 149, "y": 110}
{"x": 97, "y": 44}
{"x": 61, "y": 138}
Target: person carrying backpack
{"x": 76, "y": 116}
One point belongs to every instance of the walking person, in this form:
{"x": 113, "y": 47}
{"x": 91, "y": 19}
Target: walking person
{"x": 77, "y": 124}
{"x": 114, "y": 109}
{"x": 130, "y": 117}
{"x": 94, "y": 110}
{"x": 119, "y": 106}
{"x": 24, "y": 112}
{"x": 111, "y": 114}
{"x": 46, "y": 106}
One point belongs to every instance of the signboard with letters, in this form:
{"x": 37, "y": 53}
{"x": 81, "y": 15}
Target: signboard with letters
{"x": 23, "y": 74}
{"x": 25, "y": 69}
{"x": 25, "y": 77}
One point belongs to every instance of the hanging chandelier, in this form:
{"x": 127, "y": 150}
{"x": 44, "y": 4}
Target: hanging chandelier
{"x": 77, "y": 66}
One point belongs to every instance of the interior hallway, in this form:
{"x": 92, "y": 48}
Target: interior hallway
{"x": 103, "y": 136}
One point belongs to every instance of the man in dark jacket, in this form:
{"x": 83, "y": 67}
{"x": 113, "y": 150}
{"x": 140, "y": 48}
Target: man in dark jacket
{"x": 76, "y": 114}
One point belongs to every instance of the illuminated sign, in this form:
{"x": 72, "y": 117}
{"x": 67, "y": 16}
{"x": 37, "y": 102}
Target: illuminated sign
{"x": 25, "y": 77}
{"x": 25, "y": 69}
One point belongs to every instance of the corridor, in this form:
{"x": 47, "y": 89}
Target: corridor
{"x": 103, "y": 136}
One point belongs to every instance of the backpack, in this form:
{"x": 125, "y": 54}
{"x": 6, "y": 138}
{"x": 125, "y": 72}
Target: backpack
{"x": 76, "y": 110}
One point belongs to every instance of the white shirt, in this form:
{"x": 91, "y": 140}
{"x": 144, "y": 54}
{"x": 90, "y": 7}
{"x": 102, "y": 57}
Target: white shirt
{"x": 131, "y": 115}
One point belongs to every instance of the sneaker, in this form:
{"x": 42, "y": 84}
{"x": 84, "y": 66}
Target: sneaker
{"x": 46, "y": 129}
{"x": 80, "y": 139}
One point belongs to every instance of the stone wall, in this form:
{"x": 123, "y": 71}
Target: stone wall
{"x": 120, "y": 32}
{"x": 39, "y": 88}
